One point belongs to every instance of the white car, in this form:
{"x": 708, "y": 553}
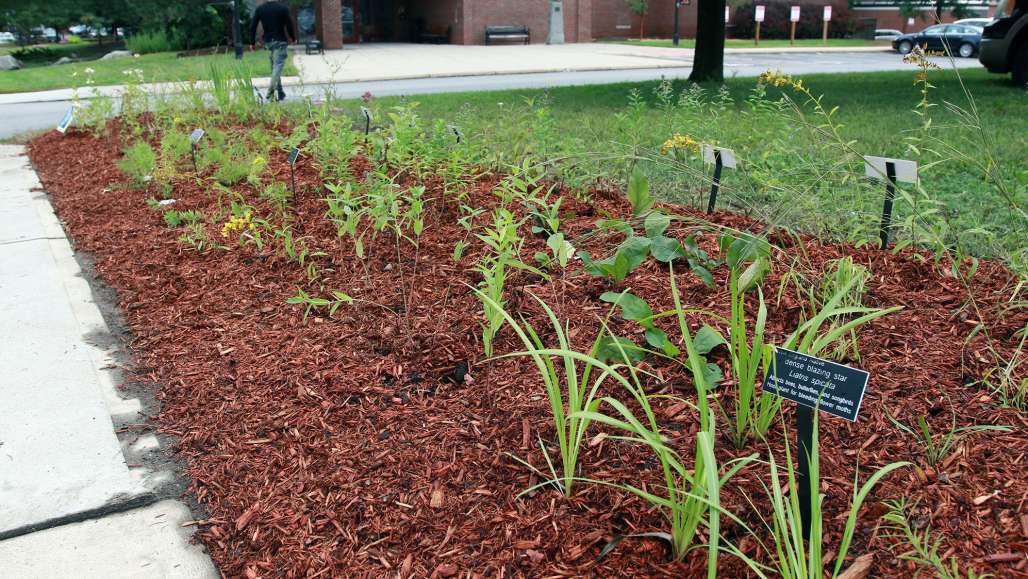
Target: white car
{"x": 886, "y": 34}
{"x": 7, "y": 38}
{"x": 979, "y": 22}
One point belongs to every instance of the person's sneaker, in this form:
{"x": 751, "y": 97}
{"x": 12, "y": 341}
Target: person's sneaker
{"x": 281, "y": 95}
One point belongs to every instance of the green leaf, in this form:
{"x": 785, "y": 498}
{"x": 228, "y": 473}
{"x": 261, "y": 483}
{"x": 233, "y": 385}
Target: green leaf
{"x": 706, "y": 339}
{"x": 747, "y": 248}
{"x": 657, "y": 338}
{"x": 754, "y": 273}
{"x": 702, "y": 273}
{"x": 621, "y": 267}
{"x": 635, "y": 249}
{"x": 639, "y": 193}
{"x": 712, "y": 375}
{"x": 633, "y": 307}
{"x": 656, "y": 224}
{"x": 666, "y": 249}
{"x": 608, "y": 350}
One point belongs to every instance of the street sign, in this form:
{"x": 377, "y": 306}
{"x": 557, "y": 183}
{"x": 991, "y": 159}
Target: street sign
{"x": 62, "y": 127}
{"x": 794, "y": 14}
{"x": 816, "y": 383}
{"x": 827, "y": 15}
{"x": 877, "y": 168}
{"x": 758, "y": 13}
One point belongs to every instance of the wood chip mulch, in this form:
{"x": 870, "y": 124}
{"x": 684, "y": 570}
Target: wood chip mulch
{"x": 371, "y": 444}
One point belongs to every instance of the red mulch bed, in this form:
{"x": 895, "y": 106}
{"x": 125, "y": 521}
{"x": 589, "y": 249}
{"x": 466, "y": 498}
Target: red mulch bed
{"x": 346, "y": 447}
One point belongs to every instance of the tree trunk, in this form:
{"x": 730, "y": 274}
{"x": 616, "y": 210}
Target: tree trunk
{"x": 709, "y": 58}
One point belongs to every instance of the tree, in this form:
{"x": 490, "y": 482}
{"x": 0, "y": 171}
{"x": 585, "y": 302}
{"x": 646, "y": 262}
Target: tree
{"x": 709, "y": 59}
{"x": 639, "y": 8}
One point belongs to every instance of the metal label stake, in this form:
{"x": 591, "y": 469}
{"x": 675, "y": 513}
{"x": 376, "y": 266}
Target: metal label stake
{"x": 367, "y": 122}
{"x": 293, "y": 156}
{"x": 890, "y": 194}
{"x": 720, "y": 157}
{"x": 892, "y": 171}
{"x": 194, "y": 139}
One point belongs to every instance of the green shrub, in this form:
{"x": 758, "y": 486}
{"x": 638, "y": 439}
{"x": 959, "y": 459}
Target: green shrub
{"x": 150, "y": 42}
{"x": 138, "y": 161}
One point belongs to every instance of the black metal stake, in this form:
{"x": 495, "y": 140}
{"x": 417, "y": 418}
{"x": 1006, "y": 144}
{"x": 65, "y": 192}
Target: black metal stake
{"x": 192, "y": 150}
{"x": 805, "y": 444}
{"x": 237, "y": 35}
{"x": 890, "y": 194}
{"x": 292, "y": 178}
{"x": 716, "y": 184}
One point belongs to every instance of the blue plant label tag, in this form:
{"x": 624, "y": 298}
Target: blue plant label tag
{"x": 816, "y": 383}
{"x": 195, "y": 136}
{"x": 62, "y": 127}
{"x": 293, "y": 156}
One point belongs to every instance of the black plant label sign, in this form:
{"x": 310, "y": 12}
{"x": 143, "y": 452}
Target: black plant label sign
{"x": 816, "y": 383}
{"x": 293, "y": 155}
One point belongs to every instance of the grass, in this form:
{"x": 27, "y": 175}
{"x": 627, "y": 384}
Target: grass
{"x": 748, "y": 43}
{"x": 876, "y": 111}
{"x": 158, "y": 67}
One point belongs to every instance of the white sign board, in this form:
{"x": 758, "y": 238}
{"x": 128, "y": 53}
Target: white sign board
{"x": 906, "y": 171}
{"x": 195, "y": 136}
{"x": 827, "y": 14}
{"x": 727, "y": 156}
{"x": 758, "y": 13}
{"x": 726, "y": 14}
{"x": 794, "y": 14}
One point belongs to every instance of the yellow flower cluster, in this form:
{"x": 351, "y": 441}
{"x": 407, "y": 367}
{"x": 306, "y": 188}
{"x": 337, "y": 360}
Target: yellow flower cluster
{"x": 919, "y": 56}
{"x": 679, "y": 142}
{"x": 778, "y": 79}
{"x": 239, "y": 224}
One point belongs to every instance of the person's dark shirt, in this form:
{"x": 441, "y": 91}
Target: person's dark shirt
{"x": 275, "y": 19}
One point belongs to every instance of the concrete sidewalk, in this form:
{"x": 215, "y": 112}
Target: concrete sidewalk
{"x": 70, "y": 504}
{"x": 155, "y": 88}
{"x": 386, "y": 61}
{"x": 383, "y": 61}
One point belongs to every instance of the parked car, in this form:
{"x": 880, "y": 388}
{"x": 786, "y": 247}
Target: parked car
{"x": 1004, "y": 46}
{"x": 956, "y": 39}
{"x": 978, "y": 22}
{"x": 887, "y": 34}
{"x": 7, "y": 38}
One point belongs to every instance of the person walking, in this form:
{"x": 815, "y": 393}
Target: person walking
{"x": 277, "y": 23}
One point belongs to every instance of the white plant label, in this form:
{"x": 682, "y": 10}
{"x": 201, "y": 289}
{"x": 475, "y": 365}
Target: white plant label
{"x": 794, "y": 14}
{"x": 758, "y": 13}
{"x": 906, "y": 170}
{"x": 196, "y": 135}
{"x": 727, "y": 156}
{"x": 827, "y": 14}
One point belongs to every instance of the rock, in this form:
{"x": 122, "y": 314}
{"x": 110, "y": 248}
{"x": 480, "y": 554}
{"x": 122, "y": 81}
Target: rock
{"x": 8, "y": 62}
{"x": 65, "y": 60}
{"x": 117, "y": 54}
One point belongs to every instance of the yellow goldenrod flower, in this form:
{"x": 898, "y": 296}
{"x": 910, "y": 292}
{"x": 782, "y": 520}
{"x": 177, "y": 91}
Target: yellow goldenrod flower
{"x": 679, "y": 142}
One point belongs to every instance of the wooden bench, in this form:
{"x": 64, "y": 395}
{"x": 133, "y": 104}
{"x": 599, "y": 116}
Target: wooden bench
{"x": 506, "y": 33}
{"x": 314, "y": 47}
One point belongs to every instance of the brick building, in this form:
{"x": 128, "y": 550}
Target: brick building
{"x": 339, "y": 22}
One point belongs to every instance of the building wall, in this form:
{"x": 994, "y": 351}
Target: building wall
{"x": 613, "y": 19}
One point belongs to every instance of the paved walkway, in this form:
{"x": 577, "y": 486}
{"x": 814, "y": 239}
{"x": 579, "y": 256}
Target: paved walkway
{"x": 70, "y": 504}
{"x": 384, "y": 61}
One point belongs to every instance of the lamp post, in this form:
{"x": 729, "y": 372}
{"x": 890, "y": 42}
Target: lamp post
{"x": 675, "y": 36}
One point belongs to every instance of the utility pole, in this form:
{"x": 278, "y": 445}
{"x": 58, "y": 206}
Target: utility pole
{"x": 236, "y": 33}
{"x": 675, "y": 37}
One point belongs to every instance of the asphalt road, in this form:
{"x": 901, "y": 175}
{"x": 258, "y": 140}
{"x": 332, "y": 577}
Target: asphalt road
{"x": 20, "y": 118}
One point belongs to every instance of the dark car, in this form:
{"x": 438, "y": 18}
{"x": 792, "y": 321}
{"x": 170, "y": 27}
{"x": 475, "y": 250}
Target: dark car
{"x": 955, "y": 39}
{"x": 1004, "y": 45}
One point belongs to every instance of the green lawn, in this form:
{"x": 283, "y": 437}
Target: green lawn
{"x": 791, "y": 175}
{"x": 159, "y": 67}
{"x": 748, "y": 43}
